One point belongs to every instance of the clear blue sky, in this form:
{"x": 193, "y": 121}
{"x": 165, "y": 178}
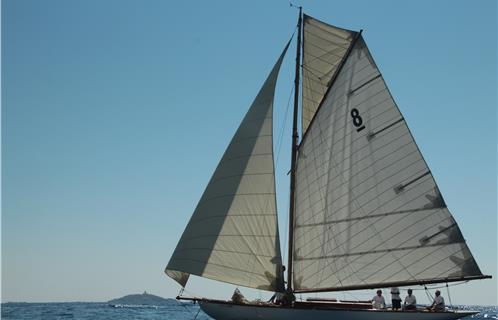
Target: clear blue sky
{"x": 115, "y": 113}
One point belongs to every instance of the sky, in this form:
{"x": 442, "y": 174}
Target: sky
{"x": 115, "y": 114}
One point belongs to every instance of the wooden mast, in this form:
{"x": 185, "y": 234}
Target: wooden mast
{"x": 295, "y": 138}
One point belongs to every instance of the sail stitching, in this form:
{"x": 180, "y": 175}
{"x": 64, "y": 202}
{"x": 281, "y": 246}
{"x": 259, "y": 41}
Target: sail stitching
{"x": 352, "y": 91}
{"x": 380, "y": 257}
{"x": 373, "y": 175}
{"x": 358, "y": 257}
{"x": 227, "y": 251}
{"x": 204, "y": 219}
{"x": 372, "y": 216}
{"x": 326, "y": 52}
{"x": 324, "y": 40}
{"x": 406, "y": 240}
{"x": 372, "y": 252}
{"x": 373, "y": 210}
{"x": 234, "y": 195}
{"x": 371, "y": 135}
{"x": 356, "y": 222}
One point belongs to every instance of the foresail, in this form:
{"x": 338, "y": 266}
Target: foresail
{"x": 233, "y": 233}
{"x": 324, "y": 47}
{"x": 368, "y": 211}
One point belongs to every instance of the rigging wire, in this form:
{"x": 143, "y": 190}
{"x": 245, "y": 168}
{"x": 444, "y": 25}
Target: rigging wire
{"x": 429, "y": 296}
{"x": 448, "y": 291}
{"x": 282, "y": 130}
{"x": 279, "y": 148}
{"x": 197, "y": 313}
{"x": 181, "y": 291}
{"x": 441, "y": 286}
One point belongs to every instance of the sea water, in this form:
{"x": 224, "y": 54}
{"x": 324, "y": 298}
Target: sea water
{"x": 171, "y": 310}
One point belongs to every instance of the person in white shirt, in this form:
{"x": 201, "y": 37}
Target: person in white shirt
{"x": 410, "y": 301}
{"x": 395, "y": 299}
{"x": 378, "y": 301}
{"x": 438, "y": 303}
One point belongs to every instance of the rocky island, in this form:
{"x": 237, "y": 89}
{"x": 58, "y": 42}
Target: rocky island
{"x": 143, "y": 299}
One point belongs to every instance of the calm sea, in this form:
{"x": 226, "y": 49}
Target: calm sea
{"x": 101, "y": 311}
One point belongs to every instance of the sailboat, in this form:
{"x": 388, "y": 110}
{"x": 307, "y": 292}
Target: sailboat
{"x": 365, "y": 210}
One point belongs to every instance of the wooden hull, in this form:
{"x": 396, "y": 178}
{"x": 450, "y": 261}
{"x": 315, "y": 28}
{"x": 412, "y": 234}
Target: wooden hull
{"x": 221, "y": 310}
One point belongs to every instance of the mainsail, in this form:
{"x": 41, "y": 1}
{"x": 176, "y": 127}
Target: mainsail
{"x": 233, "y": 233}
{"x": 368, "y": 211}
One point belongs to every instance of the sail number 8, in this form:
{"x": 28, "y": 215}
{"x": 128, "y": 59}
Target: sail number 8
{"x": 357, "y": 120}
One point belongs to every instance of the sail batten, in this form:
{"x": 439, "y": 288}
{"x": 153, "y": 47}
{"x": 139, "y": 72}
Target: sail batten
{"x": 233, "y": 233}
{"x": 368, "y": 211}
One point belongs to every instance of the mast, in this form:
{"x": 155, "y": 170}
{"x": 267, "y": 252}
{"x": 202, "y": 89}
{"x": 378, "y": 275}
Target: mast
{"x": 295, "y": 137}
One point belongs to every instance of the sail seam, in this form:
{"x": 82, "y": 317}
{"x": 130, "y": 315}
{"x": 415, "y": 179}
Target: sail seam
{"x": 372, "y": 252}
{"x": 439, "y": 261}
{"x": 228, "y": 251}
{"x": 374, "y": 174}
{"x": 375, "y": 209}
{"x": 339, "y": 186}
{"x": 232, "y": 215}
{"x": 251, "y": 137}
{"x": 331, "y": 52}
{"x": 373, "y": 134}
{"x": 323, "y": 57}
{"x": 339, "y": 151}
{"x": 378, "y": 258}
{"x": 218, "y": 265}
{"x": 356, "y": 222}
{"x": 311, "y": 69}
{"x": 329, "y": 42}
{"x": 246, "y": 156}
{"x": 368, "y": 239}
{"x": 234, "y": 195}
{"x": 231, "y": 235}
{"x": 364, "y": 84}
{"x": 407, "y": 240}
{"x": 404, "y": 255}
{"x": 365, "y": 217}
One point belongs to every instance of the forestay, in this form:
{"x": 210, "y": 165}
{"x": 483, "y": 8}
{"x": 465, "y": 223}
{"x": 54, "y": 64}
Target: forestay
{"x": 233, "y": 233}
{"x": 324, "y": 46}
{"x": 368, "y": 211}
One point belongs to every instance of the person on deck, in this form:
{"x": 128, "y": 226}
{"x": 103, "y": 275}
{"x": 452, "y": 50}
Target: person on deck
{"x": 410, "y": 301}
{"x": 395, "y": 299}
{"x": 438, "y": 303}
{"x": 378, "y": 301}
{"x": 279, "y": 297}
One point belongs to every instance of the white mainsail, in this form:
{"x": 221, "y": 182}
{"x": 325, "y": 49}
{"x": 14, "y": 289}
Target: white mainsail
{"x": 233, "y": 233}
{"x": 368, "y": 211}
{"x": 325, "y": 47}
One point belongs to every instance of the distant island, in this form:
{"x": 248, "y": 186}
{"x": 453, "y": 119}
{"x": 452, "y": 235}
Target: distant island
{"x": 141, "y": 299}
